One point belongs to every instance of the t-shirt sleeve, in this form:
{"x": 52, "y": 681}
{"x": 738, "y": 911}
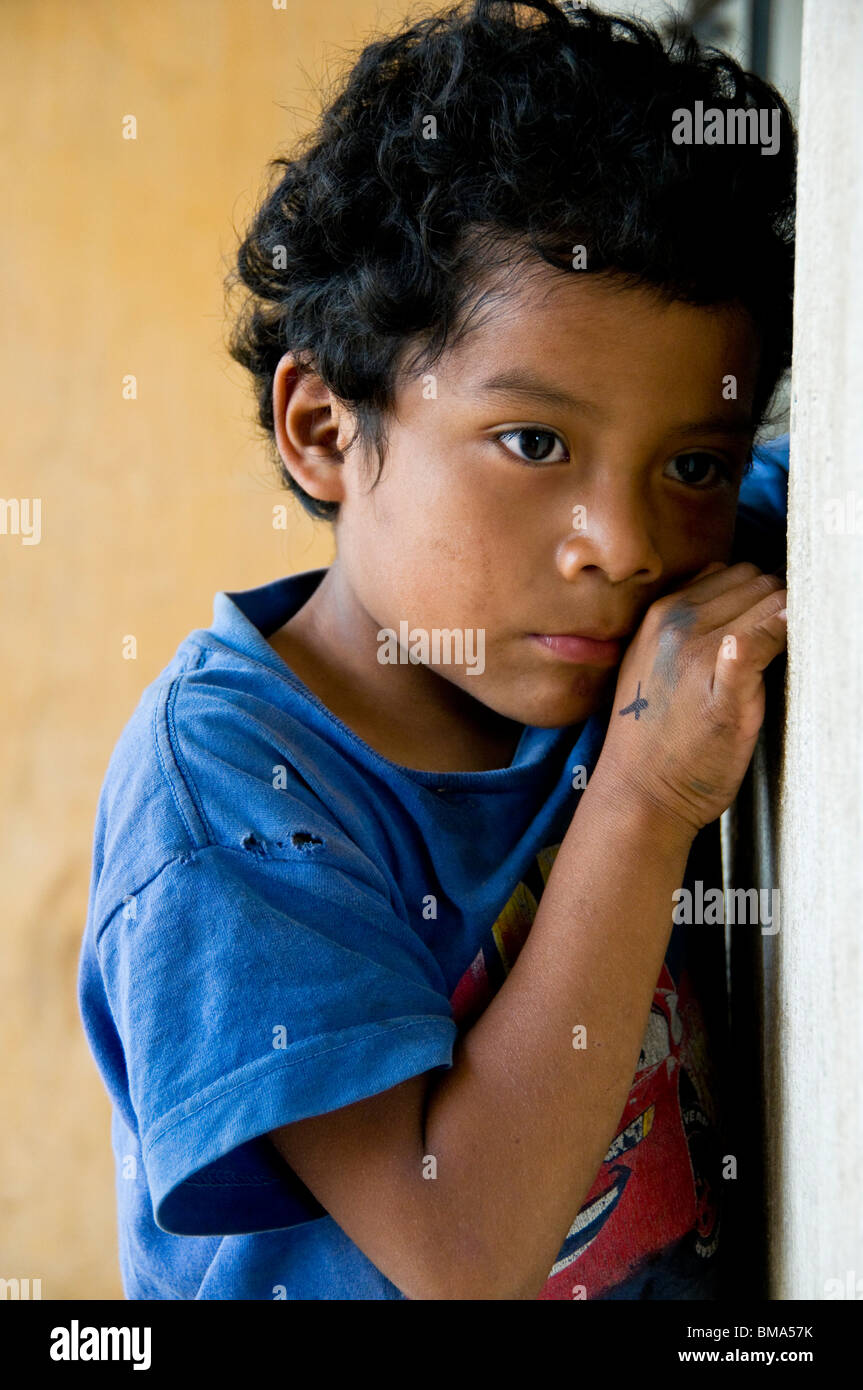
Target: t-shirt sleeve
{"x": 250, "y": 990}
{"x": 762, "y": 508}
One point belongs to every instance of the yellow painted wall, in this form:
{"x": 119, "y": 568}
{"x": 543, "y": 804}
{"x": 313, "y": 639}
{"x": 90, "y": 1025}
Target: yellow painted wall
{"x": 113, "y": 255}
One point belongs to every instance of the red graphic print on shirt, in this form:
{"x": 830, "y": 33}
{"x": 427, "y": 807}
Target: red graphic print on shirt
{"x": 658, "y": 1182}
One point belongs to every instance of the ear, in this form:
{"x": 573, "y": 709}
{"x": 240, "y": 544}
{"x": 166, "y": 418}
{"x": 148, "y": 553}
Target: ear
{"x": 311, "y": 427}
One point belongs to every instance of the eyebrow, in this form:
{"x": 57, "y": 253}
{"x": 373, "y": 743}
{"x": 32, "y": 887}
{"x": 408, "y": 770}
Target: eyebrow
{"x": 718, "y": 424}
{"x": 516, "y": 383}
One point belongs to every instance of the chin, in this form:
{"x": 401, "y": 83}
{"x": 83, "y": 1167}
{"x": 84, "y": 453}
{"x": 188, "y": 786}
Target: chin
{"x": 583, "y": 696}
{"x": 575, "y": 712}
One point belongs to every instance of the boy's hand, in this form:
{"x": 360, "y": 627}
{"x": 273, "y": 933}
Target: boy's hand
{"x": 690, "y": 694}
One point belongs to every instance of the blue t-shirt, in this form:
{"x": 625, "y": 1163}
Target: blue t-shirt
{"x": 282, "y": 921}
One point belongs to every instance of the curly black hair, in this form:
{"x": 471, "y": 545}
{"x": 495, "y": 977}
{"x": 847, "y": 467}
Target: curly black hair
{"x": 485, "y": 137}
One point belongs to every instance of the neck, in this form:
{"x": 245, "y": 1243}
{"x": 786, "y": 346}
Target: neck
{"x": 409, "y": 713}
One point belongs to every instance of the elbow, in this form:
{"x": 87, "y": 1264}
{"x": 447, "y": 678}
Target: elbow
{"x": 452, "y": 1276}
{"x": 457, "y": 1255}
{"x": 476, "y": 1289}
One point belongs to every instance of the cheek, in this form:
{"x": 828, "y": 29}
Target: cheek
{"x": 703, "y": 536}
{"x": 456, "y": 543}
{"x": 451, "y": 573}
{"x": 411, "y": 558}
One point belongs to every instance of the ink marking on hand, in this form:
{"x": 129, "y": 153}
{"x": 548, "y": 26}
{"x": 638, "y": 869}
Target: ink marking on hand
{"x": 637, "y": 705}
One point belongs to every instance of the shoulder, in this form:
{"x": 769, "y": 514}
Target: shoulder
{"x": 217, "y": 755}
{"x": 764, "y": 489}
{"x": 762, "y": 507}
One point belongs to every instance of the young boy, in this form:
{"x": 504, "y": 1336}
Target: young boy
{"x": 380, "y": 968}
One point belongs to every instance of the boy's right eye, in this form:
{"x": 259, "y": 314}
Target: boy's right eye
{"x": 536, "y": 444}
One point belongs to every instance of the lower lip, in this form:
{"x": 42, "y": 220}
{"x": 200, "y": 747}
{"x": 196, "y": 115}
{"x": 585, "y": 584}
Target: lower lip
{"x": 585, "y": 650}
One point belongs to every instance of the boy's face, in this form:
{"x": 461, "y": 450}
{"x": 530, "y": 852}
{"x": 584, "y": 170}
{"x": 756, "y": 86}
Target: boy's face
{"x": 609, "y": 490}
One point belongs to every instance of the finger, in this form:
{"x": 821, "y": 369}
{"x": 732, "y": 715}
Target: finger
{"x": 748, "y": 647}
{"x": 717, "y": 578}
{"x": 712, "y": 568}
{"x": 722, "y": 609}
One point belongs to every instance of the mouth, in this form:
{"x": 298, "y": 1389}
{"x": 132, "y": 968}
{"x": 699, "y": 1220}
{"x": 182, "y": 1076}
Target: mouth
{"x": 581, "y": 649}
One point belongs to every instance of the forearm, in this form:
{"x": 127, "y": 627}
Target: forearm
{"x": 521, "y": 1123}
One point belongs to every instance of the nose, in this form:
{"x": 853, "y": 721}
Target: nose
{"x": 614, "y": 535}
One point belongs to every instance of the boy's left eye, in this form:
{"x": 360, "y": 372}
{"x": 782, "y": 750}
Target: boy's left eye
{"x": 537, "y": 442}
{"x": 538, "y": 445}
{"x": 695, "y": 465}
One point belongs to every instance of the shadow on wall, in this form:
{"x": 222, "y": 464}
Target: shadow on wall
{"x": 750, "y": 861}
